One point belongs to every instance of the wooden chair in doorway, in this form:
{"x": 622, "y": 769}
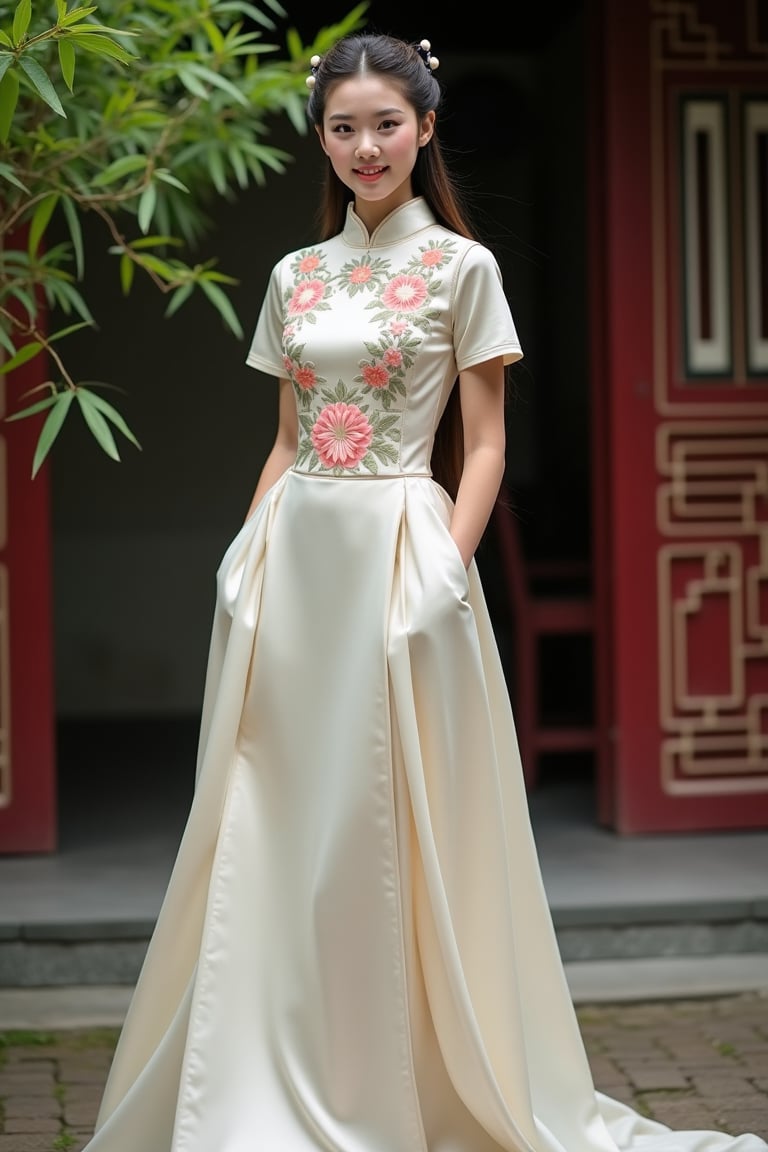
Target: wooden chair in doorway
{"x": 543, "y": 603}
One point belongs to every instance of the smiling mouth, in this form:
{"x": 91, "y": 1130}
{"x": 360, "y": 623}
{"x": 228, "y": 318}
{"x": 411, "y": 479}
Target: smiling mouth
{"x": 371, "y": 171}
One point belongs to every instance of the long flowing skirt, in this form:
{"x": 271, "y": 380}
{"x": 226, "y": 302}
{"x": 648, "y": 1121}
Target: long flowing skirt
{"x": 355, "y": 952}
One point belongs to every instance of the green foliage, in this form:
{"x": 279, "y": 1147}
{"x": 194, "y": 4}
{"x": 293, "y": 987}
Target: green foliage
{"x": 145, "y": 121}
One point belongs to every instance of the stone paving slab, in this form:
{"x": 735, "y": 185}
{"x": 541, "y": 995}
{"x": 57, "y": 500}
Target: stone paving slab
{"x": 692, "y": 1064}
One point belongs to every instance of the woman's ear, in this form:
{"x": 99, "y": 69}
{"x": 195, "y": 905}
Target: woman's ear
{"x": 427, "y": 128}
{"x": 321, "y": 137}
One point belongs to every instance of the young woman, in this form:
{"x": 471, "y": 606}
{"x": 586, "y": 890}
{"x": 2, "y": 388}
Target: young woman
{"x": 355, "y": 953}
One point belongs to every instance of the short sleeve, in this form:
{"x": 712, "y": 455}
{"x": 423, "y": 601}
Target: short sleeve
{"x": 482, "y": 321}
{"x": 266, "y": 351}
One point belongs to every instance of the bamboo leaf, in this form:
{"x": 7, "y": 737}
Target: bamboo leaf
{"x": 110, "y": 413}
{"x": 6, "y": 59}
{"x": 69, "y": 299}
{"x": 8, "y": 174}
{"x": 126, "y": 274}
{"x": 168, "y": 178}
{"x": 119, "y": 169}
{"x": 32, "y": 409}
{"x": 9, "y": 95}
{"x": 179, "y": 297}
{"x": 40, "y": 220}
{"x": 216, "y": 169}
{"x": 25, "y": 353}
{"x": 5, "y": 39}
{"x": 75, "y": 234}
{"x": 97, "y": 424}
{"x": 6, "y": 342}
{"x": 101, "y": 46}
{"x": 21, "y": 19}
{"x": 24, "y": 298}
{"x": 207, "y": 75}
{"x": 51, "y": 429}
{"x": 39, "y": 80}
{"x": 223, "y": 306}
{"x": 215, "y": 37}
{"x": 191, "y": 82}
{"x": 61, "y": 9}
{"x": 67, "y": 63}
{"x": 155, "y": 242}
{"x": 76, "y": 14}
{"x": 68, "y": 330}
{"x": 147, "y": 205}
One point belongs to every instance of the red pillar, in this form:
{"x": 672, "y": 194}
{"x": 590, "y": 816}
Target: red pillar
{"x": 27, "y": 744}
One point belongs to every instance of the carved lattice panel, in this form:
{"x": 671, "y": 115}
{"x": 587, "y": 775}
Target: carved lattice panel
{"x": 713, "y": 607}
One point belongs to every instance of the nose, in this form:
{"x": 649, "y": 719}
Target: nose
{"x": 367, "y": 147}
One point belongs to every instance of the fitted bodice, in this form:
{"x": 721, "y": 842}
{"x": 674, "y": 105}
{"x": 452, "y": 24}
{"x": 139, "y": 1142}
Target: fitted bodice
{"x": 372, "y": 330}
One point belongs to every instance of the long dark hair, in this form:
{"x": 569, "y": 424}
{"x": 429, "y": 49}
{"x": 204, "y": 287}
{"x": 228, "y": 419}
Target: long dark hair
{"x": 401, "y": 64}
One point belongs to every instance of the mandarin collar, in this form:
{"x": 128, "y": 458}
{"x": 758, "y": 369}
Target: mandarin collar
{"x": 400, "y": 223}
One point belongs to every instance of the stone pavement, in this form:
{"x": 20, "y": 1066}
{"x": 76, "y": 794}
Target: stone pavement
{"x": 698, "y": 1063}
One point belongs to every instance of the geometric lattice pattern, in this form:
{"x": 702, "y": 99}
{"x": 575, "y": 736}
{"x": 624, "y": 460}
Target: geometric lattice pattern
{"x": 713, "y": 606}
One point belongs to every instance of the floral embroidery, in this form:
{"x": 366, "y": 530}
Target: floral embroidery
{"x": 305, "y": 297}
{"x": 365, "y": 274}
{"x": 309, "y": 292}
{"x": 309, "y": 263}
{"x": 431, "y": 257}
{"x": 348, "y": 434}
{"x": 303, "y": 374}
{"x": 374, "y": 375}
{"x": 390, "y": 359}
{"x": 341, "y": 435}
{"x": 356, "y": 426}
{"x": 404, "y": 293}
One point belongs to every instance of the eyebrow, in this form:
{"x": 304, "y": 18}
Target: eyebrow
{"x": 352, "y": 116}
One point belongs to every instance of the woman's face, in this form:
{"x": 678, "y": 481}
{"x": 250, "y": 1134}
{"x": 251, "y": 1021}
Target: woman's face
{"x": 372, "y": 136}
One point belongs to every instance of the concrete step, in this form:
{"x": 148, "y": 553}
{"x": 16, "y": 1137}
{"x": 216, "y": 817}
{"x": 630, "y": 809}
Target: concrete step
{"x": 103, "y": 952}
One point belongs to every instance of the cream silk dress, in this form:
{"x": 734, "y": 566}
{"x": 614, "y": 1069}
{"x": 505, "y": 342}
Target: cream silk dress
{"x": 355, "y": 952}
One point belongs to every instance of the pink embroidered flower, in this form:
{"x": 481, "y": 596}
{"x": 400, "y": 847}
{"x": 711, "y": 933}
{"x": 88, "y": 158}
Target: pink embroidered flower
{"x": 360, "y": 274}
{"x": 341, "y": 435}
{"x": 305, "y": 377}
{"x": 404, "y": 293}
{"x": 288, "y": 364}
{"x": 306, "y": 295}
{"x": 393, "y": 357}
{"x": 432, "y": 257}
{"x": 375, "y": 375}
{"x": 289, "y": 331}
{"x": 309, "y": 264}
{"x": 397, "y": 327}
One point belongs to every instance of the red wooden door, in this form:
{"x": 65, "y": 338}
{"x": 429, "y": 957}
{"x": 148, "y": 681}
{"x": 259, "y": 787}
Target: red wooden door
{"x": 27, "y": 761}
{"x": 680, "y": 338}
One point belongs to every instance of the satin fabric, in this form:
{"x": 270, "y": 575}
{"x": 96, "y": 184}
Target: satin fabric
{"x": 355, "y": 952}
